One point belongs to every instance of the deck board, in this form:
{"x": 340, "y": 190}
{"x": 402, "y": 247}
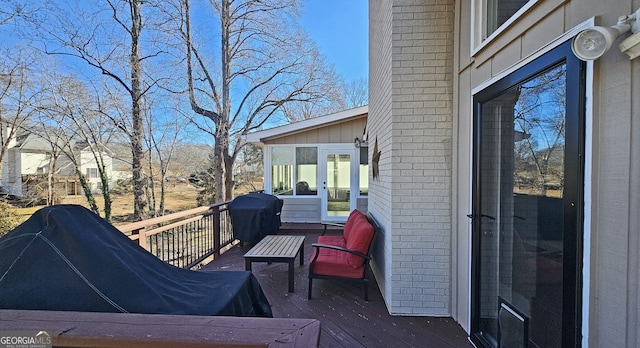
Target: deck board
{"x": 346, "y": 319}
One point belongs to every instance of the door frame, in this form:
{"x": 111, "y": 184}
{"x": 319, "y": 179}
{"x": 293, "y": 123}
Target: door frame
{"x": 323, "y": 152}
{"x": 573, "y": 205}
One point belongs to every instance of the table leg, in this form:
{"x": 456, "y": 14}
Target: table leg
{"x": 302, "y": 255}
{"x": 247, "y": 264}
{"x": 291, "y": 275}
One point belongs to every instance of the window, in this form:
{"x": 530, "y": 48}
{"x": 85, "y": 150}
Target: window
{"x": 490, "y": 16}
{"x": 307, "y": 171}
{"x": 499, "y": 11}
{"x": 92, "y": 173}
{"x": 364, "y": 171}
{"x": 305, "y": 175}
{"x": 282, "y": 171}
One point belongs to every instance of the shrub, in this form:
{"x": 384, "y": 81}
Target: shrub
{"x": 8, "y": 218}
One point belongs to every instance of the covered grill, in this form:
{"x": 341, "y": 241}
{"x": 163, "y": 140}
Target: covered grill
{"x": 255, "y": 215}
{"x": 66, "y": 258}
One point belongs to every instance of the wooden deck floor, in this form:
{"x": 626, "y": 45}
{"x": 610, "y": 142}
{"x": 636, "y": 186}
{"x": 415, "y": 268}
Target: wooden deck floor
{"x": 346, "y": 319}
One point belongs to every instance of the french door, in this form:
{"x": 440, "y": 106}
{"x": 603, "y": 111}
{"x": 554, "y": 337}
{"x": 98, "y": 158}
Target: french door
{"x": 338, "y": 182}
{"x": 527, "y": 209}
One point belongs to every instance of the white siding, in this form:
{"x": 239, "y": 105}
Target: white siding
{"x": 11, "y": 178}
{"x": 87, "y": 160}
{"x": 300, "y": 209}
{"x": 30, "y": 162}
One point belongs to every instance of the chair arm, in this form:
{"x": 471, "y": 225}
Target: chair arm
{"x": 335, "y": 247}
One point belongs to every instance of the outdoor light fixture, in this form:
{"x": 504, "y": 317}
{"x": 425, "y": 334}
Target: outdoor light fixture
{"x": 592, "y": 43}
{"x": 360, "y": 143}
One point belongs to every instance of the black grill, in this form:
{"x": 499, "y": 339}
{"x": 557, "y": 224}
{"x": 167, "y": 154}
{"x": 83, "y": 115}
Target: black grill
{"x": 254, "y": 216}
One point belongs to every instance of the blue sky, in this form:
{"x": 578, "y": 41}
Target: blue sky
{"x": 341, "y": 30}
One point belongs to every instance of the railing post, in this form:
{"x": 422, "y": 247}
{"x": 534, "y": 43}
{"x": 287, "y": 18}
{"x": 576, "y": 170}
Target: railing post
{"x": 216, "y": 230}
{"x": 142, "y": 237}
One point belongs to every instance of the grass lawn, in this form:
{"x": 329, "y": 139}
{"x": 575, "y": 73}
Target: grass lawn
{"x": 179, "y": 197}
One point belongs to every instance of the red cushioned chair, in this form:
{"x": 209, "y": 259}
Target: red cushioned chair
{"x": 346, "y": 256}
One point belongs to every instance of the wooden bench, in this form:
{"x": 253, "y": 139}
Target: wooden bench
{"x": 274, "y": 248}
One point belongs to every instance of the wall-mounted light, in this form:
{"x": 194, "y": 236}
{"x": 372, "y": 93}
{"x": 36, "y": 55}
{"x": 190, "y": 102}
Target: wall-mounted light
{"x": 359, "y": 143}
{"x": 593, "y": 42}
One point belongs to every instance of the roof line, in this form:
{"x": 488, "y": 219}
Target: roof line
{"x": 296, "y": 127}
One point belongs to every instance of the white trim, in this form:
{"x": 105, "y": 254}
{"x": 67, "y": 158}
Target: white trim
{"x": 588, "y": 171}
{"x": 354, "y": 171}
{"x": 588, "y": 168}
{"x": 478, "y": 24}
{"x": 354, "y": 190}
{"x": 470, "y": 211}
{"x": 296, "y": 127}
{"x": 536, "y": 54}
{"x": 268, "y": 179}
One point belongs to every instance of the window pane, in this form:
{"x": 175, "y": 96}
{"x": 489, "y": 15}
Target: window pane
{"x": 306, "y": 171}
{"x": 338, "y": 184}
{"x": 282, "y": 170}
{"x": 91, "y": 173}
{"x": 499, "y": 11}
{"x": 364, "y": 171}
{"x": 522, "y": 196}
{"x": 282, "y": 155}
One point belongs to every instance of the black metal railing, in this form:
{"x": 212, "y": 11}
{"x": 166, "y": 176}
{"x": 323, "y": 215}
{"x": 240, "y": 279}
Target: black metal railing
{"x": 185, "y": 239}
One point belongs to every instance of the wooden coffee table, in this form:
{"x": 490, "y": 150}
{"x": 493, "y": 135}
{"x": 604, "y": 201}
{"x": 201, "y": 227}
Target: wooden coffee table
{"x": 277, "y": 248}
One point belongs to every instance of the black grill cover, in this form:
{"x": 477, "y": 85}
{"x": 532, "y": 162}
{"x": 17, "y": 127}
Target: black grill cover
{"x": 67, "y": 258}
{"x": 255, "y": 215}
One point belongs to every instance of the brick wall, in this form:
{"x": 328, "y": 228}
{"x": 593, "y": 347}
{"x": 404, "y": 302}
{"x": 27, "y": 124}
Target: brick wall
{"x": 410, "y": 114}
{"x": 378, "y": 126}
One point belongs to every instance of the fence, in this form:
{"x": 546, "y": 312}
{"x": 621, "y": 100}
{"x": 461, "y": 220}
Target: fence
{"x": 185, "y": 239}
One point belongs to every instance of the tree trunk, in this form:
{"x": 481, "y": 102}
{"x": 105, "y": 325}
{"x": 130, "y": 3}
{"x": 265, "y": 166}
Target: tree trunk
{"x": 229, "y": 182}
{"x": 50, "y": 172}
{"x": 137, "y": 131}
{"x": 106, "y": 190}
{"x": 219, "y": 152}
{"x": 222, "y": 128}
{"x": 87, "y": 193}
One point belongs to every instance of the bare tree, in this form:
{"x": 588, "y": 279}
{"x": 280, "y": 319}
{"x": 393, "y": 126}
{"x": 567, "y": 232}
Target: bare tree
{"x": 163, "y": 137}
{"x": 540, "y": 119}
{"x": 77, "y": 124}
{"x": 18, "y": 96}
{"x": 356, "y": 93}
{"x": 11, "y": 10}
{"x": 339, "y": 96}
{"x": 115, "y": 49}
{"x": 265, "y": 63}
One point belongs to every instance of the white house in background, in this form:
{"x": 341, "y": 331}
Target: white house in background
{"x": 317, "y": 166}
{"x": 28, "y": 155}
